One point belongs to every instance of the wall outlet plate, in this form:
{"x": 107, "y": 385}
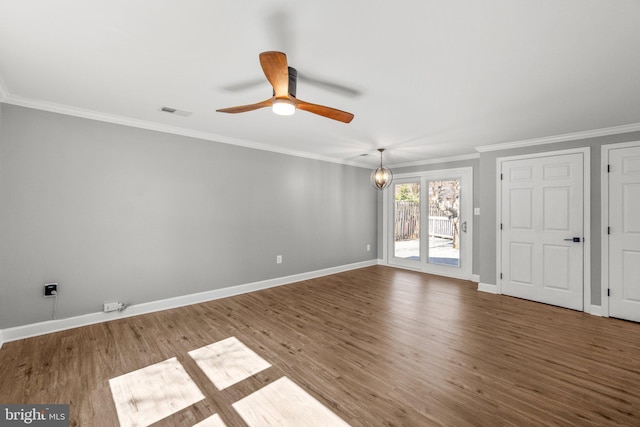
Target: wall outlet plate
{"x": 111, "y": 306}
{"x": 50, "y": 290}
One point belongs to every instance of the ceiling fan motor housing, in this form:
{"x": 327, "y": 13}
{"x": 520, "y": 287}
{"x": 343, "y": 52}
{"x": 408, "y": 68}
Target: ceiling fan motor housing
{"x": 293, "y": 82}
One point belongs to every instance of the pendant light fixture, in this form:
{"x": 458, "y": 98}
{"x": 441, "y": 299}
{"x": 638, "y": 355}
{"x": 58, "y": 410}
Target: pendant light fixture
{"x": 381, "y": 177}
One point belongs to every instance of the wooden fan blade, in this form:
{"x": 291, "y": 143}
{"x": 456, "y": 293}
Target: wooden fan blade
{"x": 325, "y": 84}
{"x": 321, "y": 110}
{"x": 274, "y": 65}
{"x": 245, "y": 108}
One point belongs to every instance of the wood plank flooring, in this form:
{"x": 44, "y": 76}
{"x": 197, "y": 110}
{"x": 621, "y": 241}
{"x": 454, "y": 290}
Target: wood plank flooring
{"x": 377, "y": 346}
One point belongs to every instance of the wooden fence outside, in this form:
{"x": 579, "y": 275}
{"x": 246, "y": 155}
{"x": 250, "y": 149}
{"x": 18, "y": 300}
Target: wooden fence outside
{"x": 441, "y": 226}
{"x": 407, "y": 222}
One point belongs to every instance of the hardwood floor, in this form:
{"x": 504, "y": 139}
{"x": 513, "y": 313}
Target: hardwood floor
{"x": 377, "y": 346}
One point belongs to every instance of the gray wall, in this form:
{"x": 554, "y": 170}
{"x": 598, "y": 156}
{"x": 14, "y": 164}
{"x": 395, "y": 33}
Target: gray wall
{"x": 473, "y": 163}
{"x": 487, "y": 229}
{"x": 484, "y": 195}
{"x": 114, "y": 212}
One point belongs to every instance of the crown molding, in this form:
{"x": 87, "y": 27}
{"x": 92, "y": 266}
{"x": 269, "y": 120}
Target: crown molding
{"x": 7, "y": 98}
{"x": 159, "y": 127}
{"x": 594, "y": 133}
{"x": 436, "y": 161}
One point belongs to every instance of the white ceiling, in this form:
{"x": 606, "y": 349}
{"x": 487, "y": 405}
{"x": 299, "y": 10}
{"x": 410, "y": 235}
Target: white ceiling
{"x": 436, "y": 78}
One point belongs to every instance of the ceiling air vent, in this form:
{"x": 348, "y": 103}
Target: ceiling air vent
{"x": 175, "y": 111}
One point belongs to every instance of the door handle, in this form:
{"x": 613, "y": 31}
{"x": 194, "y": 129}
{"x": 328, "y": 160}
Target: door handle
{"x": 574, "y": 239}
{"x": 464, "y": 226}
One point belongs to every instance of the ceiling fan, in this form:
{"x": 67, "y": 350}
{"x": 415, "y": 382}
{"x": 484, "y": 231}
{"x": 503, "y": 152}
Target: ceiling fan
{"x": 284, "y": 102}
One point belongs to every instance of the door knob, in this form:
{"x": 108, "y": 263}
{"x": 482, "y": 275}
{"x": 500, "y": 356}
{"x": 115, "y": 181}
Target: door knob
{"x": 573, "y": 239}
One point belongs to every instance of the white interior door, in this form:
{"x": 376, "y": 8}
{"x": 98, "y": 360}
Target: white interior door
{"x": 624, "y": 233}
{"x": 542, "y": 220}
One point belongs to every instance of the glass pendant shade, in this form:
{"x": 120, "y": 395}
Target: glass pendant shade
{"x": 382, "y": 176}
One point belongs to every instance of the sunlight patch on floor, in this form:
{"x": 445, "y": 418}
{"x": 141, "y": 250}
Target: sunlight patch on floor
{"x": 283, "y": 403}
{"x": 228, "y": 362}
{"x": 152, "y": 393}
{"x": 212, "y": 421}
{"x": 155, "y": 392}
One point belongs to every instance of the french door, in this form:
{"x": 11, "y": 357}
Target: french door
{"x": 428, "y": 221}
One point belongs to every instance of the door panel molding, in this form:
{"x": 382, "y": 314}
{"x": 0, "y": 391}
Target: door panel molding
{"x": 556, "y": 171}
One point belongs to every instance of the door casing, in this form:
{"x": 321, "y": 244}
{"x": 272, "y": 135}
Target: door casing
{"x": 604, "y": 209}
{"x": 586, "y": 286}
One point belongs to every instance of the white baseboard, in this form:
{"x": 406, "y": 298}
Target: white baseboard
{"x": 486, "y": 287}
{"x": 472, "y": 278}
{"x": 595, "y": 310}
{"x": 41, "y": 328}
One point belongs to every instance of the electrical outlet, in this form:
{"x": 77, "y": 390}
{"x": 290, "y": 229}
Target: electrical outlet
{"x": 50, "y": 290}
{"x": 111, "y": 306}
{"x": 368, "y": 248}
{"x": 279, "y": 259}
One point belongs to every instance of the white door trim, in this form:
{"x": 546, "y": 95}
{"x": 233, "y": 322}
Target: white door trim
{"x": 387, "y": 214}
{"x": 586, "y": 261}
{"x": 604, "y": 212}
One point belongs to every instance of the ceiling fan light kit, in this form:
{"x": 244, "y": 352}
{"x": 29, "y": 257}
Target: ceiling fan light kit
{"x": 283, "y": 79}
{"x": 381, "y": 177}
{"x": 283, "y": 107}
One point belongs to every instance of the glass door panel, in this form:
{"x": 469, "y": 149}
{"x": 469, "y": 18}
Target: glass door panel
{"x": 444, "y": 221}
{"x": 406, "y": 221}
{"x": 428, "y": 222}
